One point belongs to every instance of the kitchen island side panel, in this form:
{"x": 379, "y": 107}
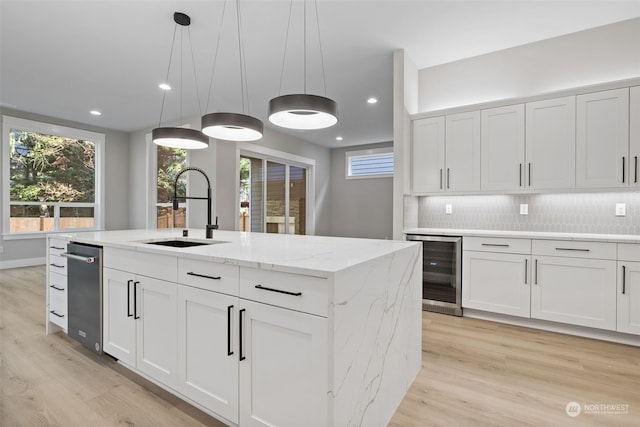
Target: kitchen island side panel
{"x": 377, "y": 337}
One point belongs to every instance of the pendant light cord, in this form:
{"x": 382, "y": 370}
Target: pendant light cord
{"x": 304, "y": 45}
{"x": 164, "y": 94}
{"x": 242, "y": 61}
{"x": 286, "y": 44}
{"x": 215, "y": 57}
{"x": 195, "y": 77}
{"x": 324, "y": 80}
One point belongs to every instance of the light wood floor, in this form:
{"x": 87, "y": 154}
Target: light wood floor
{"x": 475, "y": 373}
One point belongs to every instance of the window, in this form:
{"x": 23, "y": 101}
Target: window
{"x": 374, "y": 163}
{"x": 170, "y": 161}
{"x": 52, "y": 178}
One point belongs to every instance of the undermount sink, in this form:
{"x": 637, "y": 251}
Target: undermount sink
{"x": 176, "y": 243}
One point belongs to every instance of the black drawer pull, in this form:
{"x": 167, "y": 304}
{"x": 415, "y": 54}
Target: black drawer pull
{"x": 56, "y": 314}
{"x": 56, "y": 288}
{"x": 242, "y": 357}
{"x": 499, "y": 245}
{"x": 573, "y": 249}
{"x": 56, "y": 265}
{"x": 191, "y": 273}
{"x": 624, "y": 279}
{"x": 295, "y": 294}
{"x": 229, "y": 350}
{"x": 56, "y": 247}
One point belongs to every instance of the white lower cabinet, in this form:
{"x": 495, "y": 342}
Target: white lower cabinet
{"x": 207, "y": 350}
{"x": 140, "y": 323}
{"x": 577, "y": 291}
{"x": 628, "y": 297}
{"x": 283, "y": 367}
{"x": 496, "y": 282}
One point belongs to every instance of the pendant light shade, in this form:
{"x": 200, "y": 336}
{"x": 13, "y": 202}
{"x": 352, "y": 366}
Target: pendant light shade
{"x": 179, "y": 138}
{"x": 232, "y": 126}
{"x": 303, "y": 111}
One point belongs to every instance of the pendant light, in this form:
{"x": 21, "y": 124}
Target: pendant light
{"x": 232, "y": 126}
{"x": 304, "y": 111}
{"x": 177, "y": 137}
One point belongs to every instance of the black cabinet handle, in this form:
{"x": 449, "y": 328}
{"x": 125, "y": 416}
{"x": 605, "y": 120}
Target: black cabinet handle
{"x": 499, "y": 245}
{"x": 57, "y": 247}
{"x": 535, "y": 282}
{"x": 295, "y": 294}
{"x": 240, "y": 319}
{"x": 623, "y": 171}
{"x": 624, "y": 280}
{"x": 229, "y": 351}
{"x": 635, "y": 168}
{"x": 56, "y": 314}
{"x": 529, "y": 174}
{"x": 57, "y": 265}
{"x": 526, "y": 269}
{"x": 573, "y": 249}
{"x": 520, "y": 176}
{"x": 56, "y": 288}
{"x": 129, "y": 298}
{"x": 135, "y": 302}
{"x": 448, "y": 180}
{"x": 441, "y": 179}
{"x": 191, "y": 273}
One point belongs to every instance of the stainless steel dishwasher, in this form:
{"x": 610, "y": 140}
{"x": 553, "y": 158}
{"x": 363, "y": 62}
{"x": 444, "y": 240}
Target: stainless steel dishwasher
{"x": 84, "y": 294}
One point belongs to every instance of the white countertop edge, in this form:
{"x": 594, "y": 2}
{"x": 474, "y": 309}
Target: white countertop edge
{"x": 542, "y": 235}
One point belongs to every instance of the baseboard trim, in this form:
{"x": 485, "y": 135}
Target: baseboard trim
{"x": 25, "y": 262}
{"x": 598, "y": 334}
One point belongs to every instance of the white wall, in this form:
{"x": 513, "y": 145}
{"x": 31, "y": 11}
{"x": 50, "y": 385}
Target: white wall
{"x": 30, "y": 251}
{"x": 597, "y": 55}
{"x": 360, "y": 207}
{"x": 220, "y": 163}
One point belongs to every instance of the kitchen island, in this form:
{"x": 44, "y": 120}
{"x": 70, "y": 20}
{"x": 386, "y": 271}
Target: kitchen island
{"x": 258, "y": 329}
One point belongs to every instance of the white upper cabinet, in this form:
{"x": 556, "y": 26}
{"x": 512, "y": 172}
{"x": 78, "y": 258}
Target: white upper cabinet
{"x": 502, "y": 148}
{"x": 462, "y": 156}
{"x": 634, "y": 136}
{"x": 551, "y": 144}
{"x": 602, "y": 146}
{"x": 427, "y": 157}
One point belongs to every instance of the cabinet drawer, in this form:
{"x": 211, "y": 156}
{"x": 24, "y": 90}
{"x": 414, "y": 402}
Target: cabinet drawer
{"x": 58, "y": 308}
{"x": 58, "y": 264}
{"x": 57, "y": 283}
{"x": 629, "y": 252}
{"x": 164, "y": 267}
{"x": 303, "y": 293}
{"x": 497, "y": 244}
{"x": 573, "y": 249}
{"x": 209, "y": 276}
{"x": 57, "y": 246}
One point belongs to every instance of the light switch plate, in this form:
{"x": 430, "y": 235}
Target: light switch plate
{"x": 621, "y": 209}
{"x": 524, "y": 209}
{"x": 448, "y": 208}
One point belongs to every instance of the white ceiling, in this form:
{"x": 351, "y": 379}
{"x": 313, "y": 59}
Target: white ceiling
{"x": 65, "y": 58}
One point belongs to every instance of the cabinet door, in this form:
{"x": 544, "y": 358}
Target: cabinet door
{"x": 602, "y": 146}
{"x": 207, "y": 350}
{"x": 427, "y": 156}
{"x": 283, "y": 367}
{"x": 462, "y": 156}
{"x": 119, "y": 329}
{"x": 634, "y": 136}
{"x": 156, "y": 329}
{"x": 575, "y": 291}
{"x": 629, "y": 297}
{"x": 496, "y": 282}
{"x": 551, "y": 144}
{"x": 502, "y": 148}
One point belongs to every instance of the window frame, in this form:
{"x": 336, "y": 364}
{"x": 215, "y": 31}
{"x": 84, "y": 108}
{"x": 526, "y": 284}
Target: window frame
{"x": 10, "y": 122}
{"x": 372, "y": 152}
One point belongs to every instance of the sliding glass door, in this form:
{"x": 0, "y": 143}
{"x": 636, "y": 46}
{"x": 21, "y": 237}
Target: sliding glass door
{"x": 273, "y": 196}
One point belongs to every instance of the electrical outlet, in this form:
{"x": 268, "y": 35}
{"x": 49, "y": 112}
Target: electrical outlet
{"x": 524, "y": 209}
{"x": 621, "y": 209}
{"x": 448, "y": 208}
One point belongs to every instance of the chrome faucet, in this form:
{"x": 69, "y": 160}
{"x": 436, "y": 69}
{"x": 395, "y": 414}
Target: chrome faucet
{"x": 210, "y": 227}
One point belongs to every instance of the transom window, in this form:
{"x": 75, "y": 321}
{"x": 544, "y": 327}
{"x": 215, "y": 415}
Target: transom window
{"x": 51, "y": 178}
{"x": 374, "y": 163}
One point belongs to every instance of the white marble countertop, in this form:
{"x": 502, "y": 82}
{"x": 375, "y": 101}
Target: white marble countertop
{"x": 615, "y": 238}
{"x": 311, "y": 255}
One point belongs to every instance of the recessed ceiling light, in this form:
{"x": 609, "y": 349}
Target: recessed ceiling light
{"x": 339, "y": 138}
{"x": 164, "y": 86}
{"x": 95, "y": 112}
{"x": 372, "y": 100}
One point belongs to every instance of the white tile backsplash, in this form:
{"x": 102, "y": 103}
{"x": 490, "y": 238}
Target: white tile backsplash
{"x": 569, "y": 213}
